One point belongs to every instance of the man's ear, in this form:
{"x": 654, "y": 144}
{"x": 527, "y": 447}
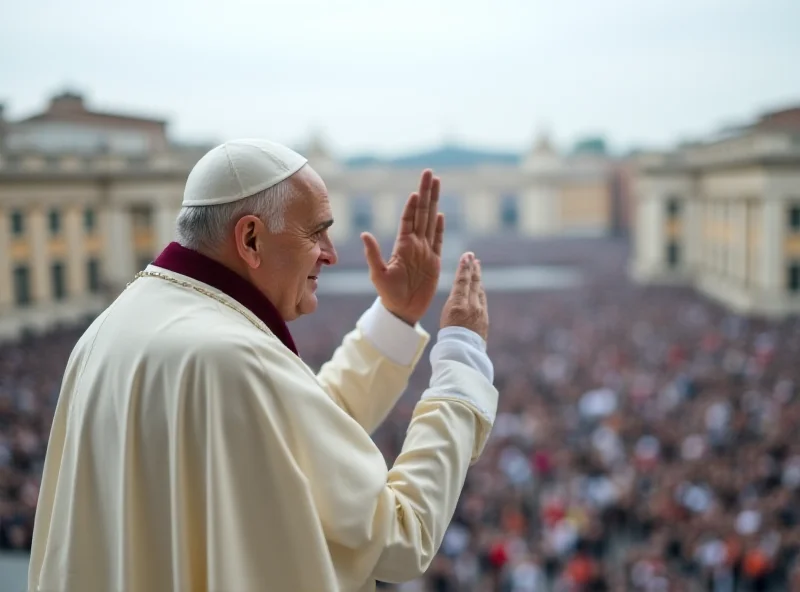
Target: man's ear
{"x": 246, "y": 234}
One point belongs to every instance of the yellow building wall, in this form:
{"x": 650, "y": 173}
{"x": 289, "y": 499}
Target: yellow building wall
{"x": 20, "y": 249}
{"x": 93, "y": 243}
{"x": 58, "y": 247}
{"x": 73, "y": 246}
{"x": 673, "y": 228}
{"x": 143, "y": 240}
{"x": 792, "y": 246}
{"x": 585, "y": 205}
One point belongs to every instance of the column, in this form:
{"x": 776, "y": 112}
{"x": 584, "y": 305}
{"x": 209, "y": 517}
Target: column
{"x": 76, "y": 253}
{"x": 165, "y": 217}
{"x": 734, "y": 239}
{"x": 640, "y": 234}
{"x": 746, "y": 221}
{"x": 40, "y": 257}
{"x": 655, "y": 238}
{"x": 706, "y": 225}
{"x": 722, "y": 217}
{"x": 740, "y": 240}
{"x": 6, "y": 279}
{"x": 649, "y": 236}
{"x": 690, "y": 231}
{"x": 482, "y": 212}
{"x": 733, "y": 247}
{"x": 772, "y": 239}
{"x": 118, "y": 264}
{"x": 539, "y": 215}
{"x": 719, "y": 238}
{"x": 730, "y": 235}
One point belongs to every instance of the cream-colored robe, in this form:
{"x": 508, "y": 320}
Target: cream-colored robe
{"x": 191, "y": 450}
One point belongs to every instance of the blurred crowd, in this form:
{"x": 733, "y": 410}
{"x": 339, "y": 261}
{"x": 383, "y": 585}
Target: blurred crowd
{"x": 646, "y": 440}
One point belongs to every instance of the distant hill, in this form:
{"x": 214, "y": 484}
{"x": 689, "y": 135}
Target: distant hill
{"x": 445, "y": 157}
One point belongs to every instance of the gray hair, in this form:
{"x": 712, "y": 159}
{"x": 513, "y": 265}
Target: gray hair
{"x": 204, "y": 228}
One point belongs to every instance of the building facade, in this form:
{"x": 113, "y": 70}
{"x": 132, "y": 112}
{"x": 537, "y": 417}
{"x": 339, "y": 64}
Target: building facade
{"x": 87, "y": 199}
{"x": 724, "y": 215}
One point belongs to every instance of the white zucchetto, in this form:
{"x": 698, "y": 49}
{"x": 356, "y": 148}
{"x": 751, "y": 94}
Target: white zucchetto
{"x": 238, "y": 169}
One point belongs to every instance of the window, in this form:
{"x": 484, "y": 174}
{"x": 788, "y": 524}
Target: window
{"x": 89, "y": 221}
{"x": 673, "y": 254}
{"x": 22, "y": 285}
{"x": 450, "y": 206}
{"x": 794, "y": 218}
{"x": 793, "y": 278}
{"x": 361, "y": 213}
{"x": 55, "y": 222}
{"x": 58, "y": 281}
{"x": 93, "y": 275}
{"x": 17, "y": 223}
{"x": 509, "y": 212}
{"x": 673, "y": 208}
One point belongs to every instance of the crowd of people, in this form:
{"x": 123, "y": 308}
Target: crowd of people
{"x": 646, "y": 440}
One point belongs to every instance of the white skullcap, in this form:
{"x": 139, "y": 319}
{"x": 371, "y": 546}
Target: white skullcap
{"x": 238, "y": 169}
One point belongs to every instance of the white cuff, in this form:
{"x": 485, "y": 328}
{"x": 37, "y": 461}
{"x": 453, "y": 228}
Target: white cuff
{"x": 394, "y": 338}
{"x": 456, "y": 348}
{"x": 459, "y": 344}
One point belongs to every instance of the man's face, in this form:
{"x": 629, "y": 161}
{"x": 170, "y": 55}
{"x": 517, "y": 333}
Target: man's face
{"x": 291, "y": 260}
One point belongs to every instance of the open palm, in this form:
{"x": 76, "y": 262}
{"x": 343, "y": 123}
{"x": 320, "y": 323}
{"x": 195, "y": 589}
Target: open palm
{"x": 407, "y": 283}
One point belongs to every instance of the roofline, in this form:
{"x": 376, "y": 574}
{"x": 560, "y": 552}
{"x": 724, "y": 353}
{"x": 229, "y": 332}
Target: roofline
{"x": 694, "y": 168}
{"x": 47, "y": 116}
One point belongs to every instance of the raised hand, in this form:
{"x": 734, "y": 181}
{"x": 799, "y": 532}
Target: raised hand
{"x": 407, "y": 283}
{"x": 466, "y": 305}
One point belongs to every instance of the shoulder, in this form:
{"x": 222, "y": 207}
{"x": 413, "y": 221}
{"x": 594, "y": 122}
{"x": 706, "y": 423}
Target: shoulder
{"x": 247, "y": 357}
{"x": 245, "y": 378}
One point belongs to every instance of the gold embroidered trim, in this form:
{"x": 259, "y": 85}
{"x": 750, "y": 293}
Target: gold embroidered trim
{"x": 242, "y": 311}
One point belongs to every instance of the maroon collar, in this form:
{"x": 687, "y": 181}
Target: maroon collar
{"x": 197, "y": 266}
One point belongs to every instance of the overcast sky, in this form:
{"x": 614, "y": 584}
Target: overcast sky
{"x": 375, "y": 75}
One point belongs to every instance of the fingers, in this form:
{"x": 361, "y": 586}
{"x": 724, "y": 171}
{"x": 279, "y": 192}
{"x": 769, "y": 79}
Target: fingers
{"x": 466, "y": 306}
{"x": 475, "y": 284}
{"x": 433, "y": 211}
{"x": 372, "y": 251}
{"x": 438, "y": 237}
{"x": 423, "y": 206}
{"x": 421, "y": 214}
{"x": 463, "y": 280}
{"x": 409, "y": 213}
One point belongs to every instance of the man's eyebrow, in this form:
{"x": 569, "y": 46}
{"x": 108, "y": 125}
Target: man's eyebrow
{"x": 324, "y": 225}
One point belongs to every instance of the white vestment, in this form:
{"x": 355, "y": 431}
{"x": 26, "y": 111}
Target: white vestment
{"x": 192, "y": 451}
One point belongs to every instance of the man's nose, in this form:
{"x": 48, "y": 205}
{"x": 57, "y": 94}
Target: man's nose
{"x": 329, "y": 256}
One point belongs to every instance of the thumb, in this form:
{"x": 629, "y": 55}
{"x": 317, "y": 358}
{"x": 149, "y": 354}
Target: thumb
{"x": 372, "y": 251}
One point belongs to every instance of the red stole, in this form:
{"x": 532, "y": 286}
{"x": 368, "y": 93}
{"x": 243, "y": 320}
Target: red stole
{"x": 192, "y": 264}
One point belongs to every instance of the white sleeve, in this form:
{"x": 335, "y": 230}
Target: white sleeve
{"x": 458, "y": 344}
{"x": 394, "y": 338}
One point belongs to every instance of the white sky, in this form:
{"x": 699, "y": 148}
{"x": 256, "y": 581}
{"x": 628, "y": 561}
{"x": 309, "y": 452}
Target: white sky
{"x": 375, "y": 75}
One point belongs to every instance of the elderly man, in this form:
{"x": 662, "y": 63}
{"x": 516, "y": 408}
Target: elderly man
{"x": 192, "y": 449}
